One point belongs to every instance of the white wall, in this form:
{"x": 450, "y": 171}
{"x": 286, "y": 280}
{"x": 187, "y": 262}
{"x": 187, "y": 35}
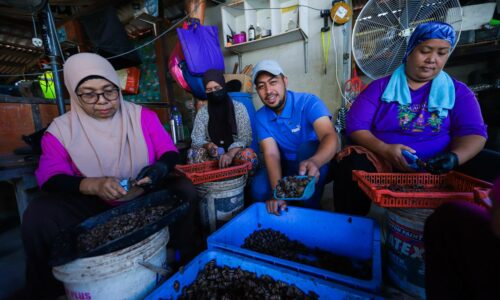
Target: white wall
{"x": 291, "y": 58}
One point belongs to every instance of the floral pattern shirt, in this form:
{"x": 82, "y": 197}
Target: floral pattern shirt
{"x": 243, "y": 138}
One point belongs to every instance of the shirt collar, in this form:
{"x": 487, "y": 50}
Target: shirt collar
{"x": 287, "y": 110}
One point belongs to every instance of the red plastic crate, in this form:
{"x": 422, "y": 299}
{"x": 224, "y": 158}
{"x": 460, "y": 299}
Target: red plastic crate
{"x": 209, "y": 171}
{"x": 436, "y": 190}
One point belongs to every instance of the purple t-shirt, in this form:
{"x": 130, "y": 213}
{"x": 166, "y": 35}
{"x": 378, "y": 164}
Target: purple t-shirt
{"x": 414, "y": 125}
{"x": 56, "y": 160}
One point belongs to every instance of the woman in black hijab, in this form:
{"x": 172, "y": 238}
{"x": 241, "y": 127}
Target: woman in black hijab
{"x": 222, "y": 128}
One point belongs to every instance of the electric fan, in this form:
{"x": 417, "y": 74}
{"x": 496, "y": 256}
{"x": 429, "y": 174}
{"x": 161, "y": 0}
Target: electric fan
{"x": 383, "y": 28}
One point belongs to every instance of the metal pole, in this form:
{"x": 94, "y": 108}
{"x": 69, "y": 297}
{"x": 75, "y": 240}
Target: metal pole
{"x": 53, "y": 53}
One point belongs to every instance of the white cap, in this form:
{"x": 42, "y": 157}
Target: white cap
{"x": 268, "y": 65}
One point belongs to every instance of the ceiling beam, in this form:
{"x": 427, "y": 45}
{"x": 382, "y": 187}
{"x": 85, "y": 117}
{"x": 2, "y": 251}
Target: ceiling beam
{"x": 4, "y": 51}
{"x": 21, "y": 47}
{"x": 75, "y": 3}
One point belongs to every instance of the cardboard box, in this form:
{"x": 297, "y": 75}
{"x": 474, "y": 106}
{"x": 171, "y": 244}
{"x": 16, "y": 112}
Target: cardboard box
{"x": 246, "y": 81}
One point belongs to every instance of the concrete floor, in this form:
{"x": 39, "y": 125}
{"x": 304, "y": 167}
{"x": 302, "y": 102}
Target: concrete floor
{"x": 12, "y": 262}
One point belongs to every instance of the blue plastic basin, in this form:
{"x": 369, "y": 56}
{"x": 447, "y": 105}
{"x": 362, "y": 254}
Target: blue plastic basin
{"x": 354, "y": 237}
{"x": 324, "y": 289}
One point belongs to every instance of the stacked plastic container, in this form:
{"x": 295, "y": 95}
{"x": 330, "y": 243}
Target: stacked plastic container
{"x": 357, "y": 238}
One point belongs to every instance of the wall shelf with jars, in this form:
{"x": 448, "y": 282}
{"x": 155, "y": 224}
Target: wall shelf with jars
{"x": 251, "y": 25}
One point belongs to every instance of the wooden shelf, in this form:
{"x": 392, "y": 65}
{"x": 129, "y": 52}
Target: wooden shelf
{"x": 270, "y": 41}
{"x": 273, "y": 15}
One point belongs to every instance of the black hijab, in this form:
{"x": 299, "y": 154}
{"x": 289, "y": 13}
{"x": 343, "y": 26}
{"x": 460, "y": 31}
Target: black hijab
{"x": 221, "y": 116}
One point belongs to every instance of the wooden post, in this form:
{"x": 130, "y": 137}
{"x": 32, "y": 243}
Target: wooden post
{"x": 196, "y": 9}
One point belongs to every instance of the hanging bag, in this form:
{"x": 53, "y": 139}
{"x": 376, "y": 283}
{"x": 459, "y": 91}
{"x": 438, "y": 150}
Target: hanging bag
{"x": 200, "y": 45}
{"x": 195, "y": 82}
{"x": 176, "y": 57}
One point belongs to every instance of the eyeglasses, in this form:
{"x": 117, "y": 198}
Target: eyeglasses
{"x": 93, "y": 97}
{"x": 214, "y": 89}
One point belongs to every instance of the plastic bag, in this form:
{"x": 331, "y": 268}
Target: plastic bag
{"x": 129, "y": 79}
{"x": 200, "y": 45}
{"x": 173, "y": 65}
{"x": 194, "y": 82}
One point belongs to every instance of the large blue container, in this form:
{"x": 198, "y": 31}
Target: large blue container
{"x": 246, "y": 99}
{"x": 350, "y": 236}
{"x": 324, "y": 289}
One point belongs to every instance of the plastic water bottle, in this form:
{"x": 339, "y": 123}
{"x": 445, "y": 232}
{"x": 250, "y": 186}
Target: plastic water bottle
{"x": 173, "y": 133}
{"x": 258, "y": 32}
{"x": 176, "y": 124}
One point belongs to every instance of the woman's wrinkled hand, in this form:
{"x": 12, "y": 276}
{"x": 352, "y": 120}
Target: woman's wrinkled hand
{"x": 225, "y": 160}
{"x": 393, "y": 154}
{"x": 150, "y": 177}
{"x": 212, "y": 149}
{"x": 106, "y": 188}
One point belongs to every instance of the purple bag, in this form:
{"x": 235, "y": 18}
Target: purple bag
{"x": 200, "y": 45}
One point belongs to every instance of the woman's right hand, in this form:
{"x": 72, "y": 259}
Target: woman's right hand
{"x": 393, "y": 153}
{"x": 212, "y": 149}
{"x": 106, "y": 188}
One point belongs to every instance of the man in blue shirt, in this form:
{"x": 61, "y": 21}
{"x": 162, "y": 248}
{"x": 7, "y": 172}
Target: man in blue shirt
{"x": 295, "y": 134}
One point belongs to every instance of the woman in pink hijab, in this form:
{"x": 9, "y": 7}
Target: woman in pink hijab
{"x": 85, "y": 154}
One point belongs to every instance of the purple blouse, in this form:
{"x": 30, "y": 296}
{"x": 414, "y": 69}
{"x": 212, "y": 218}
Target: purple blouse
{"x": 414, "y": 125}
{"x": 56, "y": 160}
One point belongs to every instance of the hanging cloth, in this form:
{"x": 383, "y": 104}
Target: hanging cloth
{"x": 325, "y": 45}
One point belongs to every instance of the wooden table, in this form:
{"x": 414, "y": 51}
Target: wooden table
{"x": 20, "y": 171}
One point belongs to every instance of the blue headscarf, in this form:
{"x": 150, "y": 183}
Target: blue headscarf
{"x": 427, "y": 31}
{"x": 442, "y": 93}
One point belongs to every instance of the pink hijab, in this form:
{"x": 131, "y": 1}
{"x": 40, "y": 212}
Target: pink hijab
{"x": 110, "y": 147}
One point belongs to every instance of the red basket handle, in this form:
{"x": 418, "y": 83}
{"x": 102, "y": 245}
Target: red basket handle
{"x": 482, "y": 197}
{"x": 247, "y": 164}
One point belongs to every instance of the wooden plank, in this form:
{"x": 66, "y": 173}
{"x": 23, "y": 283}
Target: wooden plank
{"x": 15, "y": 120}
{"x": 48, "y": 112}
{"x": 25, "y": 100}
{"x": 15, "y": 13}
{"x": 35, "y": 113}
{"x": 13, "y": 64}
{"x": 15, "y": 34}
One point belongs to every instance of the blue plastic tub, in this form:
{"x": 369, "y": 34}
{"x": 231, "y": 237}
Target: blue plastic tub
{"x": 324, "y": 289}
{"x": 350, "y": 236}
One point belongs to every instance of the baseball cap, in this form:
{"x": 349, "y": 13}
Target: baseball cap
{"x": 268, "y": 65}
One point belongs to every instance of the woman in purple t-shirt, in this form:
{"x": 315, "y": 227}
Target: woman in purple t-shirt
{"x": 420, "y": 109}
{"x": 85, "y": 154}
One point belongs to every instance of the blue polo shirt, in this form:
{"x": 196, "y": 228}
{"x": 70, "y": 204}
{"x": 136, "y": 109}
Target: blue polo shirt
{"x": 294, "y": 125}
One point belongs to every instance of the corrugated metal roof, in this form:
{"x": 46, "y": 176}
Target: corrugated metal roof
{"x": 18, "y": 55}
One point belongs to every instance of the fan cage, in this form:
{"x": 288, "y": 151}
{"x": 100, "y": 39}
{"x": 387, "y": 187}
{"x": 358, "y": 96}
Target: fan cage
{"x": 383, "y": 28}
